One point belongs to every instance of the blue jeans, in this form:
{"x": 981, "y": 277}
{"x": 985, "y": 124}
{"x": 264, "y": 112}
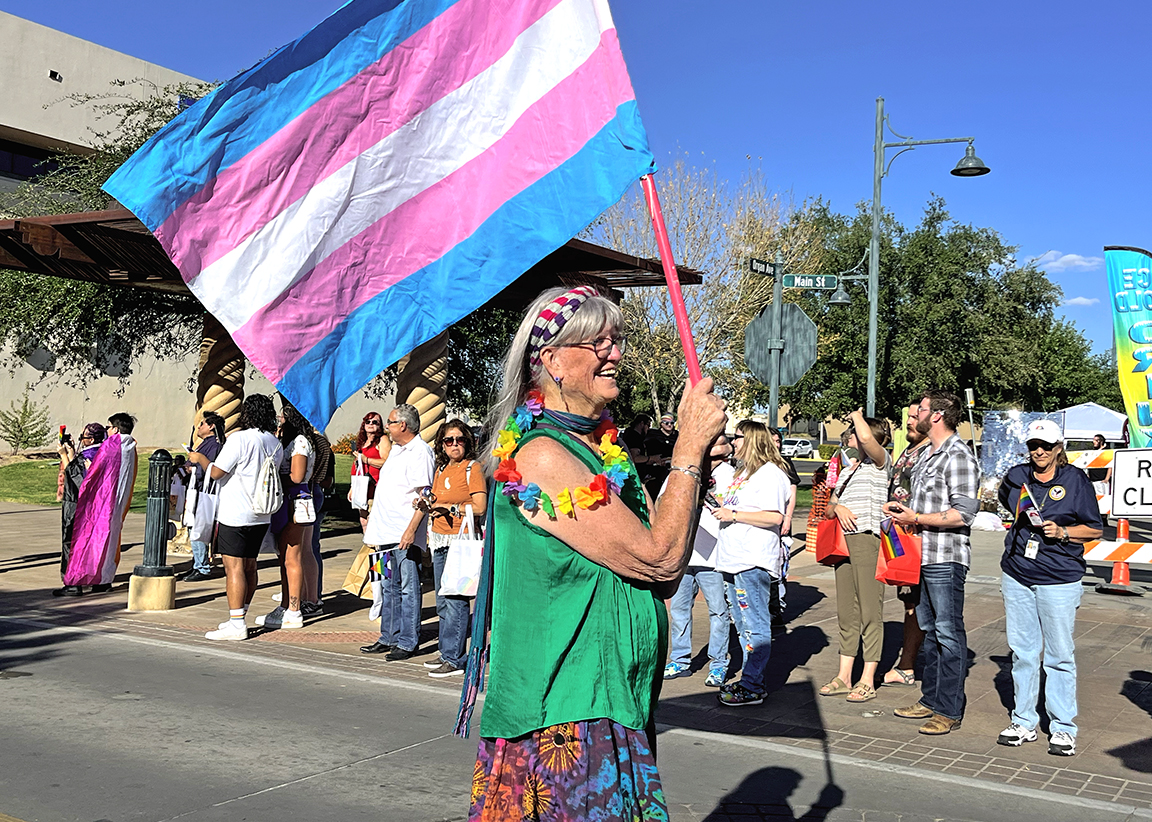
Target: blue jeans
{"x": 318, "y": 501}
{"x": 1042, "y": 617}
{"x": 453, "y": 613}
{"x": 748, "y": 594}
{"x": 400, "y": 599}
{"x": 680, "y": 616}
{"x": 200, "y": 557}
{"x": 941, "y": 617}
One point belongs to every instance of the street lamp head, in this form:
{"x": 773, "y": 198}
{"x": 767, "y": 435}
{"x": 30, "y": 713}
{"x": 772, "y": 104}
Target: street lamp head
{"x": 840, "y": 297}
{"x": 971, "y": 165}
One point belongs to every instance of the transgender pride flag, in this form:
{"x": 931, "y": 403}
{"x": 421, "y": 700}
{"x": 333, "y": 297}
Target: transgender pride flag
{"x": 373, "y": 182}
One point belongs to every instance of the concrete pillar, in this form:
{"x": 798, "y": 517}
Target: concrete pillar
{"x": 220, "y": 379}
{"x": 422, "y": 382}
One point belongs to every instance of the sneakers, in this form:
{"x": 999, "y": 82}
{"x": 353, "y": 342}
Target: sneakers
{"x": 272, "y": 619}
{"x": 446, "y": 670}
{"x": 716, "y": 676}
{"x": 289, "y": 621}
{"x": 276, "y": 597}
{"x": 737, "y": 695}
{"x": 434, "y": 663}
{"x": 310, "y": 608}
{"x": 227, "y": 631}
{"x": 1016, "y": 735}
{"x": 675, "y": 670}
{"x": 1061, "y": 743}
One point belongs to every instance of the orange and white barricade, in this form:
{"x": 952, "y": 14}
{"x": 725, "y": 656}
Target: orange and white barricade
{"x": 1121, "y": 553}
{"x": 1092, "y": 460}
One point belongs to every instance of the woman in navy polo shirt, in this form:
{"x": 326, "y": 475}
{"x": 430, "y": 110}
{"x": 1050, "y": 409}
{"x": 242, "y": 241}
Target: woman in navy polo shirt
{"x": 1043, "y": 563}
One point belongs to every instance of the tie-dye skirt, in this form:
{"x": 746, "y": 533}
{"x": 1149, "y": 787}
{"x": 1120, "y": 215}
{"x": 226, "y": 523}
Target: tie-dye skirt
{"x": 592, "y": 770}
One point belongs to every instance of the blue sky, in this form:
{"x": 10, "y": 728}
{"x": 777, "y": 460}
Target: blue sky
{"x": 1056, "y": 94}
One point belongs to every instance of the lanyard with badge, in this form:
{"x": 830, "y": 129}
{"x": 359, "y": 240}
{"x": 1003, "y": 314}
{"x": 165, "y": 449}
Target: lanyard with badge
{"x": 1026, "y": 504}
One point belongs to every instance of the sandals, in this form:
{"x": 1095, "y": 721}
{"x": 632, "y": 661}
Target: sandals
{"x": 837, "y": 687}
{"x": 862, "y": 692}
{"x": 903, "y": 677}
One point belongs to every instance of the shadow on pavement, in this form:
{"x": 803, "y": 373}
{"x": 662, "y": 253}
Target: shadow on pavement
{"x": 1138, "y": 690}
{"x": 764, "y": 795}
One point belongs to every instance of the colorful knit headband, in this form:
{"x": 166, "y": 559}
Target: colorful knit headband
{"x": 553, "y": 317}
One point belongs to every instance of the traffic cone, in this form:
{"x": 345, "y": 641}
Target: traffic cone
{"x": 1121, "y": 575}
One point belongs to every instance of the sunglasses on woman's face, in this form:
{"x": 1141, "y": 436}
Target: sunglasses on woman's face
{"x": 454, "y": 441}
{"x": 373, "y": 422}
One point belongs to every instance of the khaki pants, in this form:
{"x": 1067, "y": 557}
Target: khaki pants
{"x": 860, "y": 598}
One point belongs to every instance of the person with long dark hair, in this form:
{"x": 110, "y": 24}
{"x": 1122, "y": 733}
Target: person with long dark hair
{"x": 458, "y": 483}
{"x": 293, "y": 539}
{"x": 210, "y": 429}
{"x": 578, "y": 628}
{"x": 372, "y": 448}
{"x": 240, "y": 530}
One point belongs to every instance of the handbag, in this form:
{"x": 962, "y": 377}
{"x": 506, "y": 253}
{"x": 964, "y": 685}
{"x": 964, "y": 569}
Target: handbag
{"x": 303, "y": 509}
{"x": 358, "y": 495}
{"x": 461, "y": 575}
{"x": 204, "y": 516}
{"x": 831, "y": 547}
{"x": 899, "y": 560}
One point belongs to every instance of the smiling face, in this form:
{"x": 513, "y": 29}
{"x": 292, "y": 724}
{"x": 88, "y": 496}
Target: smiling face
{"x": 738, "y": 443}
{"x": 587, "y": 371}
{"x": 1043, "y": 455}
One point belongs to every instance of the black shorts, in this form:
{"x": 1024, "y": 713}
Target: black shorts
{"x": 908, "y": 594}
{"x": 240, "y": 540}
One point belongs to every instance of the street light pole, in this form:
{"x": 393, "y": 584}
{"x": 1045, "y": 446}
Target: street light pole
{"x": 969, "y": 166}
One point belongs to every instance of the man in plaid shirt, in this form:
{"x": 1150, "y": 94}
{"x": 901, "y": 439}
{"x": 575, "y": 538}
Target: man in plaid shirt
{"x": 943, "y": 504}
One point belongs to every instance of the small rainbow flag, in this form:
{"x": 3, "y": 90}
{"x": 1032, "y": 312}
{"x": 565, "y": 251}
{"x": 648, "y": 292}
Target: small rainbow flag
{"x": 1025, "y": 503}
{"x": 890, "y": 541}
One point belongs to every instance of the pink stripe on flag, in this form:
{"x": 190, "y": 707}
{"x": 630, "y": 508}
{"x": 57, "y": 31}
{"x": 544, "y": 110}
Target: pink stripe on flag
{"x": 429, "y": 225}
{"x": 354, "y": 117}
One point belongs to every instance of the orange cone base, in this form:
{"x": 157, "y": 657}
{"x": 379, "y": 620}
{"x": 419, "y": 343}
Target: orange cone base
{"x": 1121, "y": 582}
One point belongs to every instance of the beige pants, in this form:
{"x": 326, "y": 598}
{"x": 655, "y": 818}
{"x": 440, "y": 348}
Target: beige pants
{"x": 860, "y": 598}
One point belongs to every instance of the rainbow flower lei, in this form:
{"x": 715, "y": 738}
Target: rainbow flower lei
{"x": 530, "y": 495}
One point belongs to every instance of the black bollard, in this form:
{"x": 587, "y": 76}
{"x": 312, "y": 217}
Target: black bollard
{"x": 156, "y": 518}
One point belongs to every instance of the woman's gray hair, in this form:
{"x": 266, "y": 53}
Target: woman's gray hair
{"x": 408, "y": 415}
{"x": 520, "y": 376}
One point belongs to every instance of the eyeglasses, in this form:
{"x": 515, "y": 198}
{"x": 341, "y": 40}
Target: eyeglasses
{"x": 735, "y": 437}
{"x": 602, "y": 346}
{"x": 454, "y": 441}
{"x": 394, "y": 422}
{"x": 1037, "y": 445}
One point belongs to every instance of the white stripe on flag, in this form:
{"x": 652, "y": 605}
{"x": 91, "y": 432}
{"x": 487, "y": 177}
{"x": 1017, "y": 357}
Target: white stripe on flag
{"x": 448, "y": 134}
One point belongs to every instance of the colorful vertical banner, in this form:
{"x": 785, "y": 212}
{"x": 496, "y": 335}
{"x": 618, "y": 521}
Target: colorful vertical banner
{"x": 1130, "y": 286}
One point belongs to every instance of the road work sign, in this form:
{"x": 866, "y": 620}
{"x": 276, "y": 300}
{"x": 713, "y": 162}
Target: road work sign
{"x": 1132, "y": 483}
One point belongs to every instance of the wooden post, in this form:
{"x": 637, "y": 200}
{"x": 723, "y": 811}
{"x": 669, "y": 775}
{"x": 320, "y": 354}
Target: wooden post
{"x": 422, "y": 382}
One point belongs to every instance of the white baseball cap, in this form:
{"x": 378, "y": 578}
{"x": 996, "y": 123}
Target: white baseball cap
{"x": 1045, "y": 431}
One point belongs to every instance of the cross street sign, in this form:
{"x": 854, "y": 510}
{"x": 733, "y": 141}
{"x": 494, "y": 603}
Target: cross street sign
{"x": 819, "y": 281}
{"x": 759, "y": 266}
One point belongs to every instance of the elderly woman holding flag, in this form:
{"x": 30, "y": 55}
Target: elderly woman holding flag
{"x": 578, "y": 568}
{"x": 1055, "y": 514}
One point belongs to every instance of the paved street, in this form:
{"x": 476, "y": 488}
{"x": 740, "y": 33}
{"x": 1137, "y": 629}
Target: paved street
{"x": 117, "y": 716}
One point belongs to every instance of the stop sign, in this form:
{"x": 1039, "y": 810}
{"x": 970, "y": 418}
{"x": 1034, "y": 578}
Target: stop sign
{"x": 799, "y": 353}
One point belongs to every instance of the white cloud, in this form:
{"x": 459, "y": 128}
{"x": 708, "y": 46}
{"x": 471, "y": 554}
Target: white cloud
{"x": 1056, "y": 261}
{"x": 1081, "y": 301}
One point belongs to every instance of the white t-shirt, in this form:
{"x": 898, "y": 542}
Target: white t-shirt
{"x": 408, "y": 468}
{"x": 241, "y": 457}
{"x": 708, "y": 531}
{"x": 742, "y": 546}
{"x": 300, "y": 445}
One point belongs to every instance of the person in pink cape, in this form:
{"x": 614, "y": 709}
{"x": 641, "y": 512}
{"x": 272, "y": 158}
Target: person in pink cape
{"x": 101, "y": 507}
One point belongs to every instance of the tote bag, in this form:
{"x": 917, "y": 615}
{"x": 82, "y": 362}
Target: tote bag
{"x": 359, "y": 493}
{"x": 461, "y": 576}
{"x": 899, "y": 560}
{"x": 831, "y": 548}
{"x": 204, "y": 518}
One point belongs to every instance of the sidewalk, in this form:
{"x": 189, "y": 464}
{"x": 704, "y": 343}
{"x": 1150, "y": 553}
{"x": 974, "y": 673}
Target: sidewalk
{"x": 1114, "y": 656}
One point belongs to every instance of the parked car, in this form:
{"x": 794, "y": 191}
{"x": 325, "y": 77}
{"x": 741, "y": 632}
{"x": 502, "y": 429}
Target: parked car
{"x": 796, "y": 447}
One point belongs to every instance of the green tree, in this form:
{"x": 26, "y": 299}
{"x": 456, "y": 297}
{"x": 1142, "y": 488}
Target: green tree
{"x": 956, "y": 310}
{"x": 25, "y": 425}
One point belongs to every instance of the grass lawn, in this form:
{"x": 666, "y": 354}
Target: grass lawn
{"x": 33, "y": 482}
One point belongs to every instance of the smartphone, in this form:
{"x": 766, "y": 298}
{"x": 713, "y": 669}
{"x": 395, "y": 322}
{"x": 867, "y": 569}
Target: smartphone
{"x": 711, "y": 501}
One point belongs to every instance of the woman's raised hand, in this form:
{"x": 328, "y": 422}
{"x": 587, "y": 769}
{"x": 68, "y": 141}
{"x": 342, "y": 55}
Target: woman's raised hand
{"x": 701, "y": 416}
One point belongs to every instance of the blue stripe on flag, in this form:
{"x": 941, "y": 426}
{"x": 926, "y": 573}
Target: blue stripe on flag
{"x": 184, "y": 156}
{"x": 518, "y": 235}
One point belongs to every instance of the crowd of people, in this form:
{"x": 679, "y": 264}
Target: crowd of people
{"x": 584, "y": 591}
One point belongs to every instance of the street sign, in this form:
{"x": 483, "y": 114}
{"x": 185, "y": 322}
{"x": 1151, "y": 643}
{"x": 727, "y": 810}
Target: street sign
{"x": 799, "y": 353}
{"x": 759, "y": 266}
{"x": 824, "y": 281}
{"x": 1132, "y": 483}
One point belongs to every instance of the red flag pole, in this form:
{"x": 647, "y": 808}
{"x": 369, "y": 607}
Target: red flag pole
{"x": 673, "y": 278}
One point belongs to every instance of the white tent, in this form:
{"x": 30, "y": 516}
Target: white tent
{"x": 1082, "y": 422}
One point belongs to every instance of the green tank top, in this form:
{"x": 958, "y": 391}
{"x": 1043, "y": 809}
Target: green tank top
{"x": 570, "y": 639}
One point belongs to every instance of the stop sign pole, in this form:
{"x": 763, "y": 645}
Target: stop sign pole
{"x": 775, "y": 343}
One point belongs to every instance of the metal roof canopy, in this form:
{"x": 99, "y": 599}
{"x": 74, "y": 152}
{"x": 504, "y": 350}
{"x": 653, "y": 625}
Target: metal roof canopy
{"x": 115, "y": 248}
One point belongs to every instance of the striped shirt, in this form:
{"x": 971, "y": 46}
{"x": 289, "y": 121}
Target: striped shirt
{"x": 948, "y": 477}
{"x": 863, "y": 491}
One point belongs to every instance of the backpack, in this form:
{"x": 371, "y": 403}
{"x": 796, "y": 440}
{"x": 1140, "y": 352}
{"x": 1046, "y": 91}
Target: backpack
{"x": 269, "y": 494}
